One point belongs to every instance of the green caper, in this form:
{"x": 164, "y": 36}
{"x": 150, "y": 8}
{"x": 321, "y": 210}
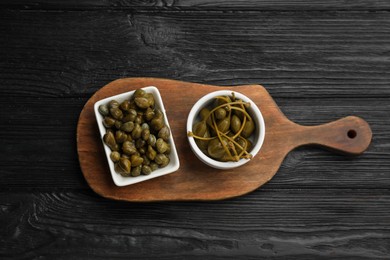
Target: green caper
{"x": 152, "y": 140}
{"x": 139, "y": 93}
{"x": 164, "y": 133}
{"x": 215, "y": 148}
{"x": 113, "y": 104}
{"x": 142, "y": 102}
{"x": 115, "y": 156}
{"x": 157, "y": 123}
{"x": 145, "y": 126}
{"x": 220, "y": 113}
{"x": 136, "y": 171}
{"x": 249, "y": 127}
{"x": 125, "y": 105}
{"x": 146, "y": 160}
{"x": 103, "y": 110}
{"x": 142, "y": 150}
{"x": 153, "y": 166}
{"x": 145, "y": 134}
{"x": 129, "y": 148}
{"x": 118, "y": 124}
{"x": 150, "y": 98}
{"x": 151, "y": 153}
{"x": 224, "y": 125}
{"x": 127, "y": 127}
{"x": 136, "y": 133}
{"x": 109, "y": 140}
{"x": 149, "y": 114}
{"x": 125, "y": 166}
{"x": 108, "y": 122}
{"x": 120, "y": 136}
{"x": 235, "y": 124}
{"x": 116, "y": 113}
{"x": 162, "y": 160}
{"x": 146, "y": 170}
{"x": 132, "y": 114}
{"x": 139, "y": 143}
{"x": 161, "y": 145}
{"x": 136, "y": 160}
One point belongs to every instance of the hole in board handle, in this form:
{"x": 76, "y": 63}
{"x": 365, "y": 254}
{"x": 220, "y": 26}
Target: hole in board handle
{"x": 351, "y": 134}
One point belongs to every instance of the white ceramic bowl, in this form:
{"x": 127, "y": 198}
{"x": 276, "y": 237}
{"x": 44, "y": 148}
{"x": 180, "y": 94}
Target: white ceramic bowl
{"x": 257, "y": 138}
{"x": 118, "y": 179}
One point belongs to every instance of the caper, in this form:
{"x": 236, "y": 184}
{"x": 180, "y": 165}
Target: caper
{"x": 109, "y": 140}
{"x": 125, "y": 105}
{"x": 145, "y": 134}
{"x": 118, "y": 124}
{"x": 162, "y": 160}
{"x": 146, "y": 170}
{"x": 249, "y": 127}
{"x": 103, "y": 110}
{"x": 127, "y": 127}
{"x": 115, "y": 156}
{"x": 129, "y": 148}
{"x": 161, "y": 145}
{"x": 139, "y": 143}
{"x": 215, "y": 148}
{"x": 157, "y": 123}
{"x": 153, "y": 166}
{"x": 145, "y": 126}
{"x": 113, "y": 104}
{"x": 149, "y": 114}
{"x": 132, "y": 114}
{"x": 136, "y": 171}
{"x": 224, "y": 124}
{"x": 120, "y": 136}
{"x": 136, "y": 160}
{"x": 150, "y": 98}
{"x": 164, "y": 133}
{"x": 142, "y": 150}
{"x": 146, "y": 160}
{"x": 220, "y": 113}
{"x": 142, "y": 102}
{"x": 139, "y": 93}
{"x": 235, "y": 124}
{"x": 136, "y": 133}
{"x": 151, "y": 153}
{"x": 108, "y": 122}
{"x": 116, "y": 113}
{"x": 152, "y": 140}
{"x": 125, "y": 166}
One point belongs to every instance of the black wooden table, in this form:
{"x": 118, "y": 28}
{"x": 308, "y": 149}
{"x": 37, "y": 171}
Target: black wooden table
{"x": 320, "y": 60}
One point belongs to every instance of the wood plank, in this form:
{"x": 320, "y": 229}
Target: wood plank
{"x": 40, "y": 138}
{"x": 277, "y": 224}
{"x": 200, "y": 5}
{"x": 315, "y": 54}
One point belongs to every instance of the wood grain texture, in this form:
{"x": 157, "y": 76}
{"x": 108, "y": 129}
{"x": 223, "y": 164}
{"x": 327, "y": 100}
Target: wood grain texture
{"x": 194, "y": 180}
{"x": 273, "y": 224}
{"x": 200, "y": 5}
{"x": 310, "y": 55}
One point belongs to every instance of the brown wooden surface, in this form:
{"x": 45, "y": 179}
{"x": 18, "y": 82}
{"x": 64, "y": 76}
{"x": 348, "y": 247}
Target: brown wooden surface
{"x": 194, "y": 180}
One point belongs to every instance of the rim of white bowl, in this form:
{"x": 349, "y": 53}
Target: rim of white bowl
{"x": 256, "y": 114}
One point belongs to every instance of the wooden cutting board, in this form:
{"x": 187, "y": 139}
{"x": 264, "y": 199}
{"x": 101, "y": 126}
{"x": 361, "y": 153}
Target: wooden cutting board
{"x": 194, "y": 180}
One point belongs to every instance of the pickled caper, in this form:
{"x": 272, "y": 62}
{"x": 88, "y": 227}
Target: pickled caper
{"x": 136, "y": 171}
{"x": 116, "y": 113}
{"x": 108, "y": 122}
{"x": 115, "y": 156}
{"x": 136, "y": 160}
{"x": 164, "y": 133}
{"x": 103, "y": 110}
{"x": 146, "y": 170}
{"x": 131, "y": 130}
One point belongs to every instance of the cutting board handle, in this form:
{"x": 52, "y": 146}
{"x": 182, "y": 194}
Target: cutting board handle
{"x": 349, "y": 135}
